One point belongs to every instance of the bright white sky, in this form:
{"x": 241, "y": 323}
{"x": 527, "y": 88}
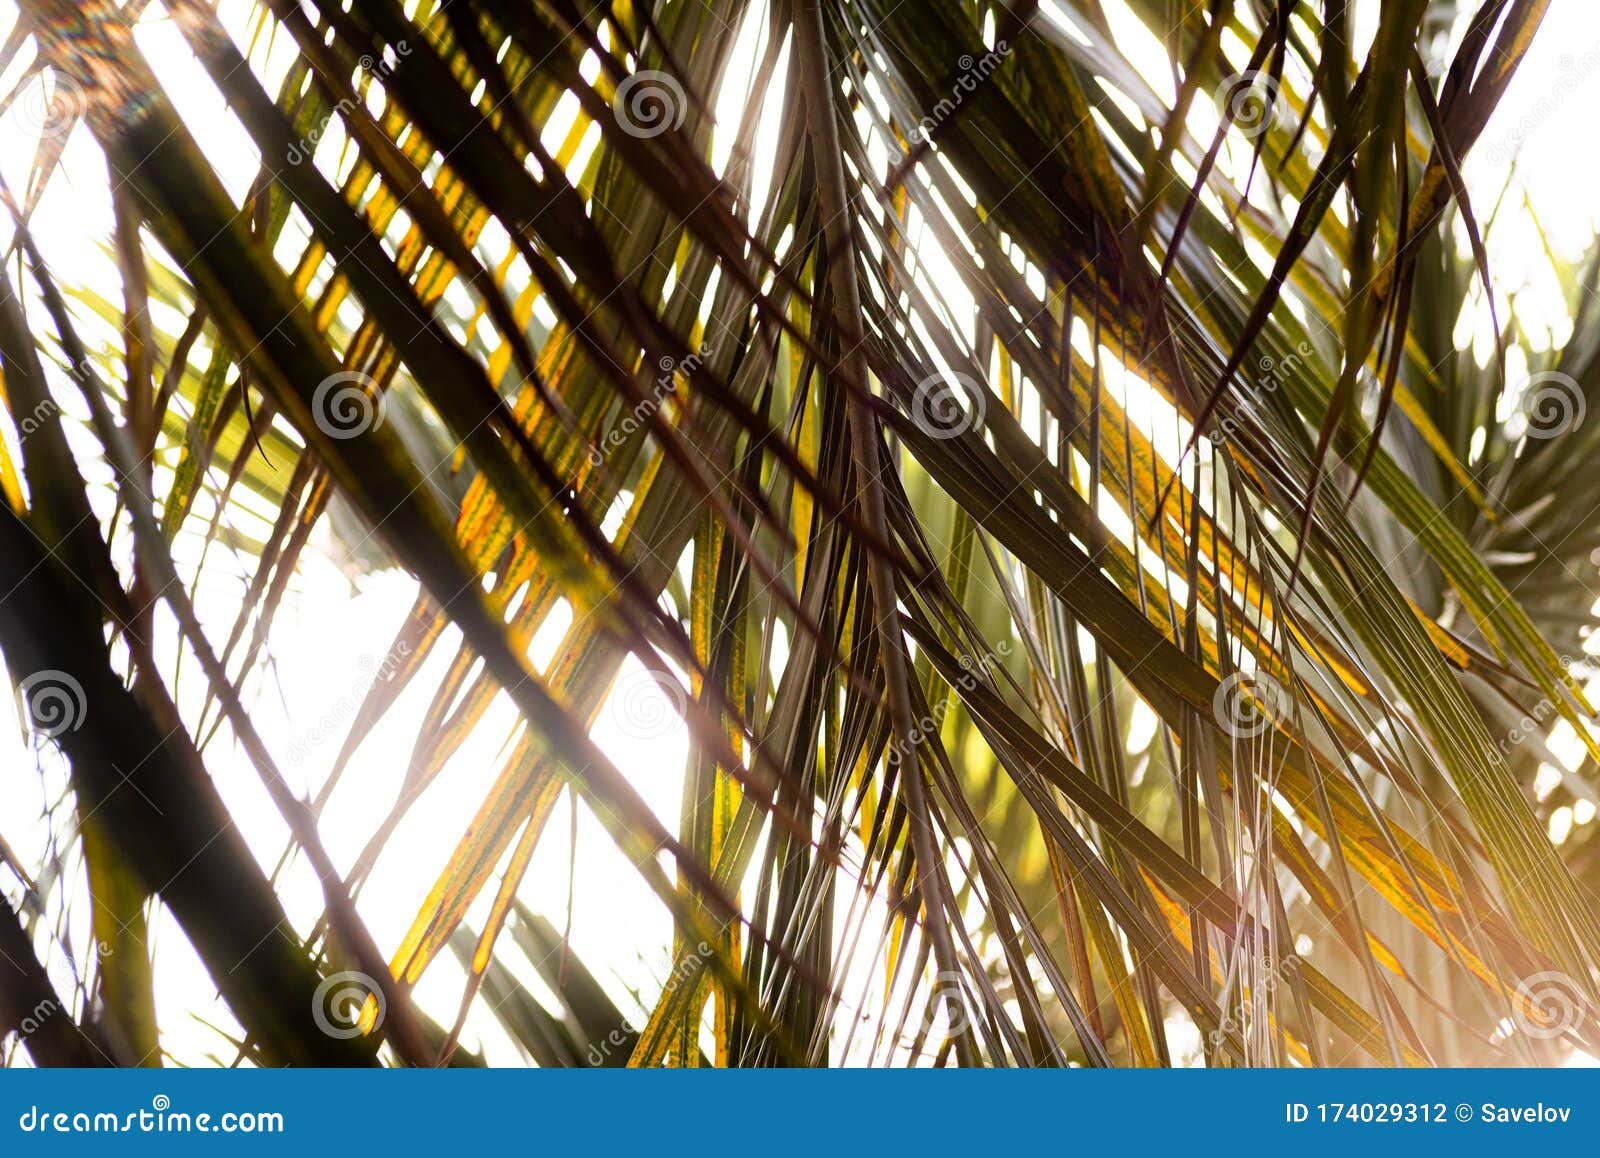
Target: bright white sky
{"x": 331, "y": 633}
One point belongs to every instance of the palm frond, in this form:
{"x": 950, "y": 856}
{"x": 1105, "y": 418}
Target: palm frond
{"x": 1028, "y": 448}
